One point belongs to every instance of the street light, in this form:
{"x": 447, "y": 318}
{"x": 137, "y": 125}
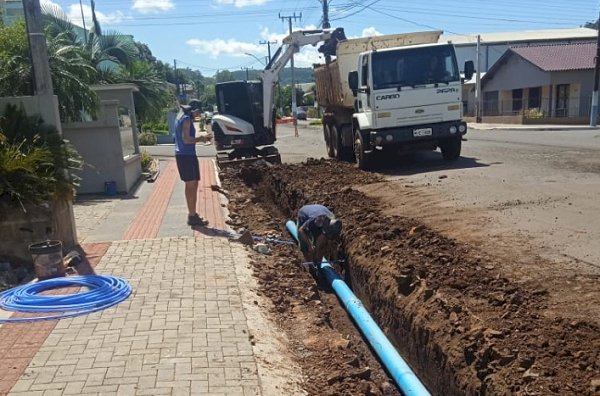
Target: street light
{"x": 255, "y": 57}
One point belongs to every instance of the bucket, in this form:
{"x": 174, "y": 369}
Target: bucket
{"x": 47, "y": 259}
{"x": 110, "y": 188}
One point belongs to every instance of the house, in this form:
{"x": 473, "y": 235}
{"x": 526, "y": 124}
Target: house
{"x": 494, "y": 45}
{"x": 553, "y": 82}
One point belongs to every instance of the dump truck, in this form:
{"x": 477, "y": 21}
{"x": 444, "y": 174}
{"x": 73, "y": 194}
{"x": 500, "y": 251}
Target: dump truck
{"x": 391, "y": 93}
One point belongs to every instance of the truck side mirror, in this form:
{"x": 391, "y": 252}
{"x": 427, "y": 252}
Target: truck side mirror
{"x": 353, "y": 81}
{"x": 469, "y": 70}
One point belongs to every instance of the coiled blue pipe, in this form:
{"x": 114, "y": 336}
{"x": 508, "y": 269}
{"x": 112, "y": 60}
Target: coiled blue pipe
{"x": 402, "y": 374}
{"x": 105, "y": 291}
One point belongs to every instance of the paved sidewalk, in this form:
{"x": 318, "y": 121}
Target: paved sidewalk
{"x": 193, "y": 324}
{"x": 552, "y": 127}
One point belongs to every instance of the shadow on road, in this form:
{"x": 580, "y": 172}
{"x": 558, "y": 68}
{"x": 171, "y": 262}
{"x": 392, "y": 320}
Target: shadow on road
{"x": 423, "y": 162}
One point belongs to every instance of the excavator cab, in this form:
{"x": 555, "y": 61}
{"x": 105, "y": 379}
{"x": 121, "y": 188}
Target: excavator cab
{"x": 239, "y": 126}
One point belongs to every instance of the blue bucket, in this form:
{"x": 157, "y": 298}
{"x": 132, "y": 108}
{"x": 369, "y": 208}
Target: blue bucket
{"x": 110, "y": 188}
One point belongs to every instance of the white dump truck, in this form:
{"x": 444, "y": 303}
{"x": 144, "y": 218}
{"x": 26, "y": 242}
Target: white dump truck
{"x": 389, "y": 93}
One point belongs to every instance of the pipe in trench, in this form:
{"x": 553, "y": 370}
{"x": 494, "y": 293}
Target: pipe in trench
{"x": 402, "y": 374}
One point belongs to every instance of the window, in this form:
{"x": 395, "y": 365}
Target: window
{"x": 364, "y": 80}
{"x": 416, "y": 66}
{"x": 535, "y": 98}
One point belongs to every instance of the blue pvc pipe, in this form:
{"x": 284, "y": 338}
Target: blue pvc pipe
{"x": 402, "y": 374}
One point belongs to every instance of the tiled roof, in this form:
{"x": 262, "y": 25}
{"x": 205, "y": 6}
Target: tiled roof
{"x": 559, "y": 57}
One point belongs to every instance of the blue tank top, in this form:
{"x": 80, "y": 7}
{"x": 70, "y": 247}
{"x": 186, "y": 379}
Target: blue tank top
{"x": 180, "y": 147}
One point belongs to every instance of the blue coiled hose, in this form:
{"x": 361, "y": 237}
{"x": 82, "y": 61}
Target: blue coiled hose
{"x": 105, "y": 291}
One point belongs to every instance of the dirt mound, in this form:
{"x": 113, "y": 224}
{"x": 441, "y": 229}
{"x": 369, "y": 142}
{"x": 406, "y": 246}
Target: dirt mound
{"x": 464, "y": 326}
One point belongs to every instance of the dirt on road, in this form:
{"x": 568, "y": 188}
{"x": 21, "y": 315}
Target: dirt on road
{"x": 465, "y": 315}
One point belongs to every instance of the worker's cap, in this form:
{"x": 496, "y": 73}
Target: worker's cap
{"x": 332, "y": 227}
{"x": 194, "y": 105}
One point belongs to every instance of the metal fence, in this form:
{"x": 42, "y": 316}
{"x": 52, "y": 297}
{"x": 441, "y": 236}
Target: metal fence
{"x": 540, "y": 108}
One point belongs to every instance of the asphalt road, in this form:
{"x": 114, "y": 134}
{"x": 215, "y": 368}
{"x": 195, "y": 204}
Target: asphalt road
{"x": 540, "y": 187}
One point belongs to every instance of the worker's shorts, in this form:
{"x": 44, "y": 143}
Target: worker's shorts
{"x": 188, "y": 167}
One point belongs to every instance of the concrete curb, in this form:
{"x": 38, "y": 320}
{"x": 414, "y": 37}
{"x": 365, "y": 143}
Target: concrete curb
{"x": 533, "y": 128}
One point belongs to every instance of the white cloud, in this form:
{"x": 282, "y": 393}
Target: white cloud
{"x": 74, "y": 15}
{"x": 232, "y": 47}
{"x": 242, "y": 3}
{"x": 307, "y": 56}
{"x": 370, "y": 31}
{"x": 217, "y": 47}
{"x": 152, "y": 6}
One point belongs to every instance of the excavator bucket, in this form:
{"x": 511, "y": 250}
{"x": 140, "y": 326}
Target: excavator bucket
{"x": 269, "y": 154}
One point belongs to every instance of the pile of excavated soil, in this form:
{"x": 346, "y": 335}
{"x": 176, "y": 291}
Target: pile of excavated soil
{"x": 460, "y": 321}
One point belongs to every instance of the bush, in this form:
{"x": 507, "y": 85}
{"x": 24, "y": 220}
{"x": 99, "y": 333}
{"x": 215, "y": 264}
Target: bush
{"x": 316, "y": 122}
{"x": 157, "y": 127}
{"x": 146, "y": 160}
{"x": 36, "y": 164}
{"x": 147, "y": 139}
{"x": 147, "y": 127}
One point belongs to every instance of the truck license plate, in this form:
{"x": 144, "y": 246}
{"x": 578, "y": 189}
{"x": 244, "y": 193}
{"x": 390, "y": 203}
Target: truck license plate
{"x": 422, "y": 132}
{"x": 236, "y": 141}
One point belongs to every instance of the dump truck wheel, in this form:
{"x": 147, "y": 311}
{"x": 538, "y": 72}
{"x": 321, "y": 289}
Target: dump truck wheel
{"x": 341, "y": 153}
{"x": 451, "y": 149}
{"x": 363, "y": 160}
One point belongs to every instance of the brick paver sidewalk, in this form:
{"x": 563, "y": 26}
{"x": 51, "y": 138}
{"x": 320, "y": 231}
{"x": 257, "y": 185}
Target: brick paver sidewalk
{"x": 183, "y": 331}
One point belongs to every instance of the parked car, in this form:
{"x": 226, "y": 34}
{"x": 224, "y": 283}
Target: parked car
{"x": 300, "y": 114}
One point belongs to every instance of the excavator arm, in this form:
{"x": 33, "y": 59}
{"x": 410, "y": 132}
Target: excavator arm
{"x": 292, "y": 44}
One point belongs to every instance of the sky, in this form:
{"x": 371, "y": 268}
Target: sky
{"x": 212, "y": 35}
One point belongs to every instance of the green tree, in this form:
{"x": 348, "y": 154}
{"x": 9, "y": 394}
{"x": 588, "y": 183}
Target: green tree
{"x": 153, "y": 95}
{"x": 224, "y": 76}
{"x": 106, "y": 51}
{"x": 592, "y": 25}
{"x": 209, "y": 97}
{"x": 71, "y": 72}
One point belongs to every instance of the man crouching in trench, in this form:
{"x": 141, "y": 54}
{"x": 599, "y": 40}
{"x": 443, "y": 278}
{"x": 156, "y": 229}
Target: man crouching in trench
{"x": 319, "y": 232}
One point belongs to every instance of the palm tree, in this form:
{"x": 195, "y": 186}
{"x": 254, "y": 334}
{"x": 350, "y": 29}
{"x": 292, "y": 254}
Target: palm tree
{"x": 153, "y": 95}
{"x": 71, "y": 72}
{"x": 106, "y": 51}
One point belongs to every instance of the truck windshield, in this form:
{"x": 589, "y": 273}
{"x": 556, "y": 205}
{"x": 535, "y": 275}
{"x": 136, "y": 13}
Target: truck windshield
{"x": 412, "y": 67}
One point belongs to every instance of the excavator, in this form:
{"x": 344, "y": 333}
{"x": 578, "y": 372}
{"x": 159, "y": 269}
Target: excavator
{"x": 245, "y": 129}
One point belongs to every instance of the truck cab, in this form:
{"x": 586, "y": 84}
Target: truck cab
{"x": 408, "y": 98}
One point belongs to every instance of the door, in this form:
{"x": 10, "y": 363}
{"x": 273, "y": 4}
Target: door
{"x": 364, "y": 93}
{"x": 517, "y": 100}
{"x": 562, "y": 100}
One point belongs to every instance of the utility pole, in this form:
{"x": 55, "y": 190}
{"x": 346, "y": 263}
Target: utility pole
{"x": 594, "y": 112}
{"x": 247, "y": 75}
{"x": 175, "y": 77}
{"x": 294, "y": 110}
{"x": 326, "y": 24}
{"x": 478, "y": 98}
{"x": 42, "y": 78}
{"x": 268, "y": 43}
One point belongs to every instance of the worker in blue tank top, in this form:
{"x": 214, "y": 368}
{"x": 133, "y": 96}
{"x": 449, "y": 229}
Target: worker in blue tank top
{"x": 318, "y": 232}
{"x": 185, "y": 156}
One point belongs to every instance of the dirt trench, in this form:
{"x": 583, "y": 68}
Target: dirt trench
{"x": 463, "y": 326}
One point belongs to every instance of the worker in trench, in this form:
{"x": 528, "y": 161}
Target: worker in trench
{"x": 319, "y": 233}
